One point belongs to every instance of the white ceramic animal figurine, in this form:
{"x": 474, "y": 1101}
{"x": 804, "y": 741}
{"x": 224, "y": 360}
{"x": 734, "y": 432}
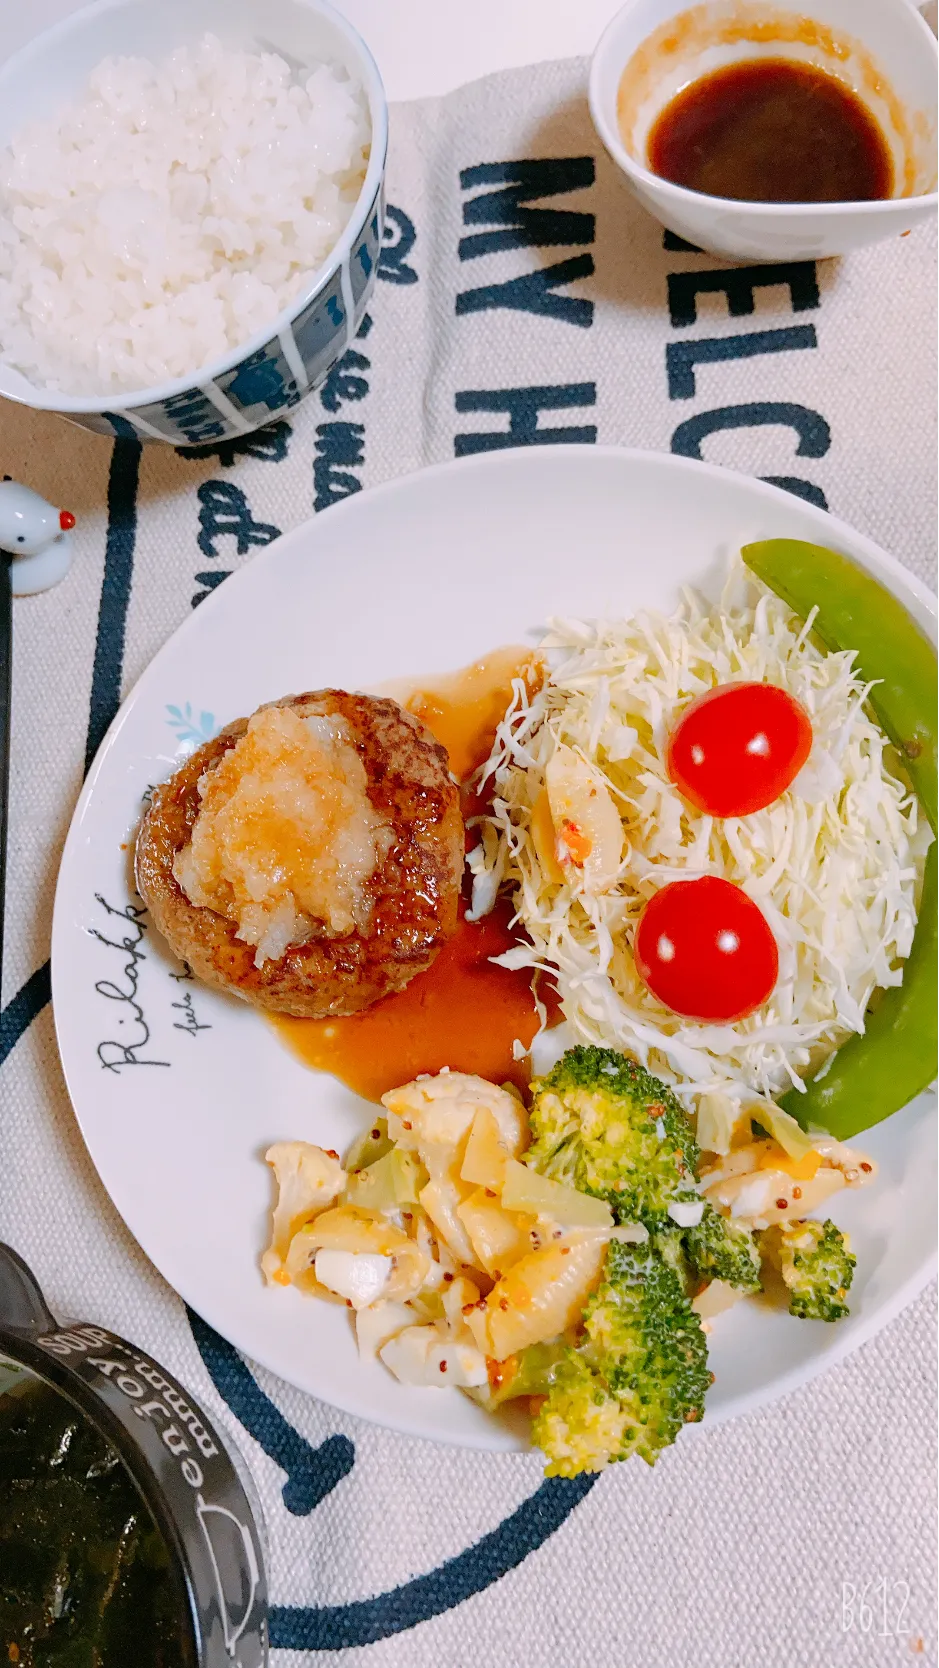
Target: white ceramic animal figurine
{"x": 36, "y": 535}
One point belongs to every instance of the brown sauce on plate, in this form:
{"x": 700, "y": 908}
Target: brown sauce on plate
{"x": 463, "y": 709}
{"x": 770, "y": 130}
{"x": 463, "y": 1012}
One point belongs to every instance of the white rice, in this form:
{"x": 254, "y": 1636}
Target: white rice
{"x": 171, "y": 212}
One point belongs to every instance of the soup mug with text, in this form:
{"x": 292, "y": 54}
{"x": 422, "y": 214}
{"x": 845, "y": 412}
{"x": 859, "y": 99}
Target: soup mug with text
{"x": 201, "y": 1499}
{"x": 883, "y": 50}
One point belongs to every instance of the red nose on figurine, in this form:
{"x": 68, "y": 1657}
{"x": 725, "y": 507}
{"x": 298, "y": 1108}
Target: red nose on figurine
{"x": 36, "y": 535}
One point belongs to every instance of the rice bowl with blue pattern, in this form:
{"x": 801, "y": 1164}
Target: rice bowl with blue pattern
{"x": 204, "y": 218}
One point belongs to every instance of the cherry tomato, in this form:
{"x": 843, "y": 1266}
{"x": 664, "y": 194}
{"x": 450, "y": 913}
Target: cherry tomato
{"x": 737, "y": 748}
{"x": 705, "y": 949}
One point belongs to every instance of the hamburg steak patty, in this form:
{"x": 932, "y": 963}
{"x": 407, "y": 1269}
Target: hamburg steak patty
{"x": 359, "y": 882}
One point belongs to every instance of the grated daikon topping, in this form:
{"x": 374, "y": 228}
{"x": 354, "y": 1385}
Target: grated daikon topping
{"x": 286, "y": 838}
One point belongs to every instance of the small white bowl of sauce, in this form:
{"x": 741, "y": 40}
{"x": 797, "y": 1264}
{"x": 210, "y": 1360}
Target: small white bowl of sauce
{"x": 760, "y": 133}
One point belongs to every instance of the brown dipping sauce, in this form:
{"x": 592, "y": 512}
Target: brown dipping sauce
{"x": 770, "y": 130}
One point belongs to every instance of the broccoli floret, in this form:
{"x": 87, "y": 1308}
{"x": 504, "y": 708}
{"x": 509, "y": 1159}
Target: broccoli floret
{"x": 669, "y": 1243}
{"x": 717, "y": 1249}
{"x": 816, "y": 1264}
{"x": 581, "y": 1425}
{"x": 635, "y": 1377}
{"x": 723, "y": 1250}
{"x": 602, "y": 1124}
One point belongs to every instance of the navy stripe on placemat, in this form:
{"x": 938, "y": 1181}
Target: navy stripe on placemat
{"x": 19, "y": 1014}
{"x": 312, "y": 1473}
{"x": 123, "y": 480}
{"x": 343, "y": 1626}
{"x": 115, "y": 589}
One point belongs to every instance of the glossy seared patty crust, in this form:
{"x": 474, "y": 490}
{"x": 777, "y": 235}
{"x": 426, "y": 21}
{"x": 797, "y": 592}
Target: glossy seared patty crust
{"x": 414, "y": 890}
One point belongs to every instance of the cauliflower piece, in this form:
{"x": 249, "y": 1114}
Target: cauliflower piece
{"x": 423, "y": 1355}
{"x": 308, "y": 1180}
{"x": 486, "y": 1156}
{"x": 433, "y": 1116}
{"x": 358, "y": 1276}
{"x": 443, "y": 1200}
{"x": 459, "y": 1294}
{"x": 377, "y": 1323}
{"x": 439, "y": 1111}
{"x": 349, "y": 1229}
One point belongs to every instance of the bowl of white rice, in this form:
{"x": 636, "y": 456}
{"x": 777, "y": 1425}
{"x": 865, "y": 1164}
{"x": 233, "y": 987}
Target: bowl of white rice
{"x": 191, "y": 208}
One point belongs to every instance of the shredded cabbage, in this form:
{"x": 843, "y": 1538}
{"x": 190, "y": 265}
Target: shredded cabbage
{"x": 835, "y": 863}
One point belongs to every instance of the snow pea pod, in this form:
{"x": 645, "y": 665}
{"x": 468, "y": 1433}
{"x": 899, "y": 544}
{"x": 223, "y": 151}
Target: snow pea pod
{"x": 856, "y": 612}
{"x": 873, "y": 1075}
{"x": 877, "y": 1073}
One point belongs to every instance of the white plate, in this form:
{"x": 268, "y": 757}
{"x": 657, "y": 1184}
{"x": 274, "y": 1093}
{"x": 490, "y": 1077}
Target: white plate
{"x": 420, "y": 576}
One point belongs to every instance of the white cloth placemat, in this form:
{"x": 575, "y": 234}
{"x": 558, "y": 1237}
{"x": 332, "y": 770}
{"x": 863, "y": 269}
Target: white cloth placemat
{"x": 522, "y": 292}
